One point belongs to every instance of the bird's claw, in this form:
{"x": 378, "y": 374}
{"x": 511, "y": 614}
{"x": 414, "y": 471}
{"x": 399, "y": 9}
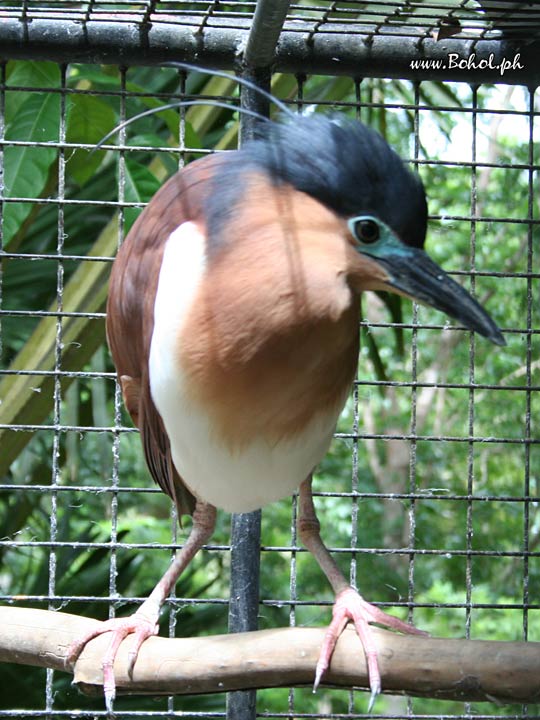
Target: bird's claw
{"x": 139, "y": 624}
{"x": 141, "y": 634}
{"x": 372, "y": 698}
{"x": 110, "y": 694}
{"x": 351, "y": 607}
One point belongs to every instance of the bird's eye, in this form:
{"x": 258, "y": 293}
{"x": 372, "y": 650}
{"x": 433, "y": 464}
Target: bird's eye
{"x": 366, "y": 231}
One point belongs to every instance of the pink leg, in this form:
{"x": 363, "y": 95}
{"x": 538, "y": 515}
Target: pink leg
{"x": 349, "y": 604}
{"x": 144, "y": 623}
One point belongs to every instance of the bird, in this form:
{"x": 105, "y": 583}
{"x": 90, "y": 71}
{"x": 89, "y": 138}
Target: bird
{"x": 233, "y": 322}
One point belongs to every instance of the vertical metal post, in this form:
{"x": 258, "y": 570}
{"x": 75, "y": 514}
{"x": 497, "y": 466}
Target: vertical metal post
{"x": 244, "y": 598}
{"x": 246, "y": 527}
{"x": 253, "y": 101}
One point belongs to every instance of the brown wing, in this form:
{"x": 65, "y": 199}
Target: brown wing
{"x": 130, "y": 312}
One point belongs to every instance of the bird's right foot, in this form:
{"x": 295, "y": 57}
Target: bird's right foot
{"x": 143, "y": 624}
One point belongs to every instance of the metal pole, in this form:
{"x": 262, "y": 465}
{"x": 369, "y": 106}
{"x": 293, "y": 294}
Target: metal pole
{"x": 244, "y": 598}
{"x": 264, "y": 32}
{"x": 341, "y": 50}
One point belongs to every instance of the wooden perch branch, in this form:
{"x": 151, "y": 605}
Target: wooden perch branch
{"x": 430, "y": 667}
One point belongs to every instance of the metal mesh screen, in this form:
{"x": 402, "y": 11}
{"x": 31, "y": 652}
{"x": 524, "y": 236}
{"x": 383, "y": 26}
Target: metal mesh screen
{"x": 387, "y": 38}
{"x": 468, "y": 19}
{"x": 430, "y": 489}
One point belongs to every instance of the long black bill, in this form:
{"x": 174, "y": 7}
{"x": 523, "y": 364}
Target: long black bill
{"x": 416, "y": 275}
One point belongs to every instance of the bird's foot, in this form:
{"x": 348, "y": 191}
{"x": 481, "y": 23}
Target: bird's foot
{"x": 143, "y": 624}
{"x": 350, "y": 606}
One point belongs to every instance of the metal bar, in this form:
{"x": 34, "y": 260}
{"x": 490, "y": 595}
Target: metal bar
{"x": 407, "y": 57}
{"x": 57, "y": 392}
{"x": 469, "y": 579}
{"x": 527, "y": 464}
{"x": 271, "y": 549}
{"x": 413, "y": 455}
{"x": 340, "y": 51}
{"x": 265, "y": 31}
{"x": 244, "y": 598}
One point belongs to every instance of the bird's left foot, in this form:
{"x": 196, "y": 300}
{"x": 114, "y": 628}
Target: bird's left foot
{"x": 350, "y": 606}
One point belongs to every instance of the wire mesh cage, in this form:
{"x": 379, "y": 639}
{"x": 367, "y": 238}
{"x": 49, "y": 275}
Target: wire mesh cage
{"x": 468, "y": 19}
{"x": 429, "y": 496}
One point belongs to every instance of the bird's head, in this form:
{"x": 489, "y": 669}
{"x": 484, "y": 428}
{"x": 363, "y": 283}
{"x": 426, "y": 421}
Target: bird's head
{"x": 379, "y": 205}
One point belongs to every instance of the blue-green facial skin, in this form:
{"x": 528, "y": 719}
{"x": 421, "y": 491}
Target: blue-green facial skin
{"x": 387, "y": 244}
{"x": 411, "y": 272}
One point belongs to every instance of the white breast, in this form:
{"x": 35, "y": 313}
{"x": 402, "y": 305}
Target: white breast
{"x": 237, "y": 481}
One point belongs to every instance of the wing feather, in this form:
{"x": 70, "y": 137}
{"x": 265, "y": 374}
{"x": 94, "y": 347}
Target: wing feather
{"x": 130, "y": 313}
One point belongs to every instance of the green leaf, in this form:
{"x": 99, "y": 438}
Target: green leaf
{"x": 375, "y": 357}
{"x": 140, "y": 186}
{"x": 31, "y": 74}
{"x": 100, "y": 76}
{"x": 170, "y": 117}
{"x": 169, "y": 160}
{"x": 146, "y": 140}
{"x": 192, "y": 139}
{"x": 26, "y": 169}
{"x": 89, "y": 120}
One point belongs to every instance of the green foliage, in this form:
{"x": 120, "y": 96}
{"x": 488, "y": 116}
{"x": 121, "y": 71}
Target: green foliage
{"x": 34, "y": 120}
{"x": 140, "y": 185}
{"x": 90, "y": 119}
